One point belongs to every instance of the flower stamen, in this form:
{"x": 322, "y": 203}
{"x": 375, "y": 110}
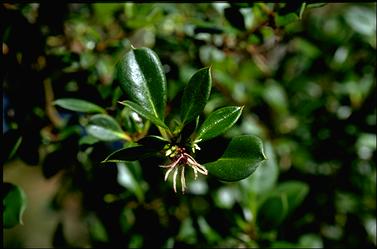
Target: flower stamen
{"x": 183, "y": 160}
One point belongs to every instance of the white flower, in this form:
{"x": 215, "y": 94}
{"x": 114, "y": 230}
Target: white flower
{"x": 181, "y": 159}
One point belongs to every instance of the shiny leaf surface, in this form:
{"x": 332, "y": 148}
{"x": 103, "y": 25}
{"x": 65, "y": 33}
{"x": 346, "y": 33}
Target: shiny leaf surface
{"x": 195, "y": 95}
{"x": 240, "y": 159}
{"x": 218, "y": 122}
{"x": 142, "y": 78}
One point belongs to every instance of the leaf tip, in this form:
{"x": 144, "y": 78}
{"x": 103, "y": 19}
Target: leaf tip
{"x": 264, "y": 157}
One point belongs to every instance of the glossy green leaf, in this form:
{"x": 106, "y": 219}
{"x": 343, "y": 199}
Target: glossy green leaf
{"x": 142, "y": 78}
{"x": 240, "y": 159}
{"x": 195, "y": 95}
{"x": 105, "y": 128}
{"x": 146, "y": 114}
{"x": 14, "y": 204}
{"x": 218, "y": 122}
{"x": 78, "y": 105}
{"x": 130, "y": 154}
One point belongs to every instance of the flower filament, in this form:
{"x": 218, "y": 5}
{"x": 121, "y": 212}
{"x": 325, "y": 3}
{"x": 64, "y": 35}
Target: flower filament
{"x": 181, "y": 159}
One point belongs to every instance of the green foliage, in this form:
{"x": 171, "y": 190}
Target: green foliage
{"x": 243, "y": 154}
{"x": 195, "y": 95}
{"x": 78, "y": 105}
{"x": 104, "y": 127}
{"x": 142, "y": 78}
{"x": 197, "y": 91}
{"x": 240, "y": 159}
{"x": 14, "y": 204}
{"x": 130, "y": 154}
{"x": 280, "y": 203}
{"x": 218, "y": 122}
{"x": 146, "y": 114}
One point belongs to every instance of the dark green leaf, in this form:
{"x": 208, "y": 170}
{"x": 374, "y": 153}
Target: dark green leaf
{"x": 286, "y": 19}
{"x": 16, "y": 146}
{"x": 290, "y": 194}
{"x": 240, "y": 159}
{"x": 295, "y": 191}
{"x": 105, "y": 128}
{"x": 14, "y": 204}
{"x": 153, "y": 142}
{"x": 195, "y": 95}
{"x": 96, "y": 229}
{"x": 126, "y": 178}
{"x": 142, "y": 78}
{"x": 285, "y": 244}
{"x": 235, "y": 18}
{"x": 207, "y": 29}
{"x": 272, "y": 211}
{"x": 88, "y": 140}
{"x": 130, "y": 154}
{"x": 12, "y": 140}
{"x": 78, "y": 105}
{"x": 145, "y": 113}
{"x": 218, "y": 122}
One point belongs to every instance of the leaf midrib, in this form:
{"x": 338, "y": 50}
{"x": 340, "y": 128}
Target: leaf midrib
{"x": 216, "y": 122}
{"x": 147, "y": 88}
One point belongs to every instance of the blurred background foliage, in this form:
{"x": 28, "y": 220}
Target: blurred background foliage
{"x": 304, "y": 72}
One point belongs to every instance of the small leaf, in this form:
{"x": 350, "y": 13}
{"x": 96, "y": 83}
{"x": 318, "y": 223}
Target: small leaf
{"x": 240, "y": 159}
{"x": 105, "y": 128}
{"x": 218, "y": 122}
{"x": 12, "y": 140}
{"x": 195, "y": 95}
{"x": 272, "y": 211}
{"x": 291, "y": 194}
{"x": 88, "y": 140}
{"x": 296, "y": 192}
{"x": 153, "y": 142}
{"x": 96, "y": 229}
{"x": 281, "y": 21}
{"x": 14, "y": 204}
{"x": 145, "y": 113}
{"x": 142, "y": 78}
{"x": 78, "y": 105}
{"x": 130, "y": 154}
{"x": 126, "y": 178}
